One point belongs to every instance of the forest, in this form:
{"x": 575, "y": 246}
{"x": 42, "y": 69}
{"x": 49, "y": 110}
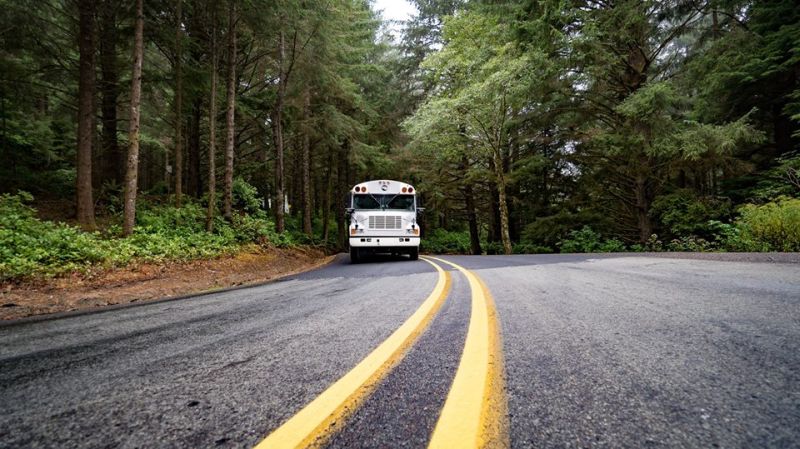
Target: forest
{"x": 184, "y": 129}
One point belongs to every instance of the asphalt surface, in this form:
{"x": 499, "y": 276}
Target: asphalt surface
{"x": 600, "y": 351}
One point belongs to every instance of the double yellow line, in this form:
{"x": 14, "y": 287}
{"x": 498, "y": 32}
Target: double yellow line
{"x": 474, "y": 413}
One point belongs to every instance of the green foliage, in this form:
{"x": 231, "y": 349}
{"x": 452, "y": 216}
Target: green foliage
{"x": 441, "y": 241}
{"x": 684, "y": 213}
{"x": 492, "y": 248}
{"x": 33, "y": 247}
{"x": 528, "y": 248}
{"x": 247, "y": 198}
{"x": 781, "y": 180}
{"x": 586, "y": 240}
{"x": 548, "y": 231}
{"x": 731, "y": 238}
{"x": 691, "y": 244}
{"x": 653, "y": 244}
{"x": 774, "y": 226}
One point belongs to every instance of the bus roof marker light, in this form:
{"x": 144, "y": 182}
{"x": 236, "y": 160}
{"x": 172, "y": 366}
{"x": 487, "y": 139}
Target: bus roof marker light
{"x": 405, "y": 190}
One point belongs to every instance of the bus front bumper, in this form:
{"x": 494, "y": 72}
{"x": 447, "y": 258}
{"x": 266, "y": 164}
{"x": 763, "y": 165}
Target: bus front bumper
{"x": 383, "y": 241}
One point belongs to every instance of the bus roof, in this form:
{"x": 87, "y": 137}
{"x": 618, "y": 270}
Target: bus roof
{"x": 383, "y": 186}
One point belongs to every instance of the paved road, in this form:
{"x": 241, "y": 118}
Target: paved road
{"x": 599, "y": 351}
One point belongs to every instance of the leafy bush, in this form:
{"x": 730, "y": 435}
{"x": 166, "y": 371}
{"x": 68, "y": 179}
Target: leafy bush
{"x": 246, "y": 198}
{"x": 690, "y": 243}
{"x": 774, "y": 226}
{"x": 684, "y": 213}
{"x": 781, "y": 180}
{"x": 729, "y": 237}
{"x": 529, "y": 248}
{"x": 548, "y": 231}
{"x": 586, "y": 240}
{"x": 441, "y": 241}
{"x": 492, "y": 247}
{"x": 32, "y": 247}
{"x": 29, "y": 245}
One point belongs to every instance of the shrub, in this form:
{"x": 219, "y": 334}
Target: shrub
{"x": 529, "y": 248}
{"x": 493, "y": 247}
{"x": 32, "y": 247}
{"x": 684, "y": 213}
{"x": 690, "y": 243}
{"x": 548, "y": 231}
{"x": 652, "y": 244}
{"x": 29, "y": 245}
{"x": 246, "y": 198}
{"x": 774, "y": 226}
{"x": 441, "y": 241}
{"x": 586, "y": 240}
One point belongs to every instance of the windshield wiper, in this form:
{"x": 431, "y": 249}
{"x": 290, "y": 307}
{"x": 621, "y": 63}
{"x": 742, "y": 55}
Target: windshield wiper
{"x": 380, "y": 205}
{"x": 385, "y": 205}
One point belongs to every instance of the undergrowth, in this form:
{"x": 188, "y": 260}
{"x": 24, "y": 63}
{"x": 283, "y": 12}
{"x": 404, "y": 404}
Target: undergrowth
{"x": 30, "y": 247}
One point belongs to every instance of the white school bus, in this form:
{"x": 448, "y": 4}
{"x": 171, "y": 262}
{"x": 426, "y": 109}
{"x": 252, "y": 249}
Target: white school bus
{"x": 383, "y": 219}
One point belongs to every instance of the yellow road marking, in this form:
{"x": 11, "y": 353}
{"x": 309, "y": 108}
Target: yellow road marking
{"x": 475, "y": 411}
{"x": 318, "y": 420}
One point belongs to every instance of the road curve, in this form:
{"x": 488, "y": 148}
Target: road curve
{"x": 599, "y": 351}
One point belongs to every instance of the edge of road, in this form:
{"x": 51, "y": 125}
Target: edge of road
{"x": 101, "y": 309}
{"x": 771, "y": 257}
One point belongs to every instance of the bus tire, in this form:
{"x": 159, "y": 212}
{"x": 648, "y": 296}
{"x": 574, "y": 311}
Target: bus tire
{"x": 413, "y": 254}
{"x": 354, "y": 255}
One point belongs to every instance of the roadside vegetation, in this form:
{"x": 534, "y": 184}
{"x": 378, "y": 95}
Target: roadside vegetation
{"x": 185, "y": 129}
{"x": 31, "y": 247}
{"x": 774, "y": 226}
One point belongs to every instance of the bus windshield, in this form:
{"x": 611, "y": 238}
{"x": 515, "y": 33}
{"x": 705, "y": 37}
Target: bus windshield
{"x": 383, "y": 202}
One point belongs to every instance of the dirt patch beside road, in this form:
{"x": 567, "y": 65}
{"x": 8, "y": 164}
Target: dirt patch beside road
{"x": 144, "y": 282}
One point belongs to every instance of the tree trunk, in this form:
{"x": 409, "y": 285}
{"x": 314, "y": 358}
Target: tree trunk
{"x": 295, "y": 190}
{"x": 326, "y": 199}
{"x": 132, "y": 167}
{"x": 472, "y": 219}
{"x": 502, "y": 202}
{"x": 343, "y": 186}
{"x": 86, "y": 44}
{"x": 194, "y": 182}
{"x": 307, "y": 163}
{"x": 229, "y": 115}
{"x": 277, "y": 137}
{"x": 113, "y": 157}
{"x": 494, "y": 214}
{"x": 212, "y": 131}
{"x": 643, "y": 209}
{"x": 178, "y": 157}
{"x": 472, "y": 216}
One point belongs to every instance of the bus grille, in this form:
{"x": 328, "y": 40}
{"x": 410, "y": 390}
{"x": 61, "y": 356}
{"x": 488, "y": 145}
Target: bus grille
{"x": 385, "y": 222}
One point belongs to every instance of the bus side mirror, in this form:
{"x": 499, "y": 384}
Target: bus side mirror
{"x": 349, "y": 211}
{"x": 420, "y": 210}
